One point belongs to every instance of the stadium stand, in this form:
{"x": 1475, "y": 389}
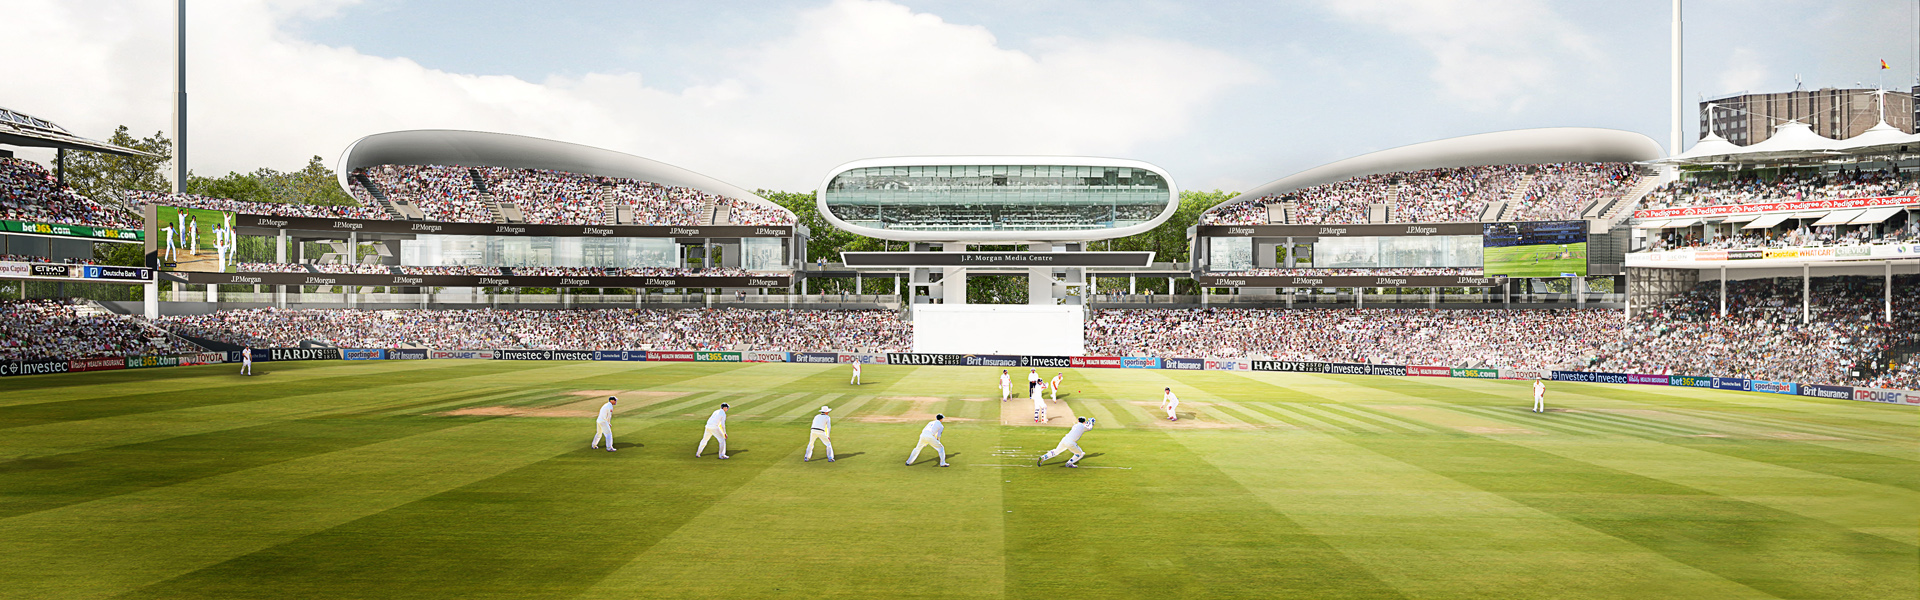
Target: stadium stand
{"x": 490, "y": 194}
{"x": 1752, "y": 189}
{"x": 312, "y": 211}
{"x": 70, "y": 329}
{"x": 29, "y": 193}
{"x": 1524, "y": 192}
{"x": 1382, "y": 272}
{"x": 690, "y": 329}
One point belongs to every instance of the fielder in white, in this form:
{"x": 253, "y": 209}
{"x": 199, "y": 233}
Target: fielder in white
{"x": 1539, "y": 396}
{"x": 603, "y": 426}
{"x": 1039, "y": 405}
{"x": 856, "y": 372}
{"x": 1058, "y": 378}
{"x": 1006, "y": 386}
{"x": 1171, "y": 403}
{"x": 173, "y": 252}
{"x": 716, "y": 428}
{"x": 246, "y": 361}
{"x": 1069, "y": 442}
{"x": 930, "y": 436}
{"x": 822, "y": 432}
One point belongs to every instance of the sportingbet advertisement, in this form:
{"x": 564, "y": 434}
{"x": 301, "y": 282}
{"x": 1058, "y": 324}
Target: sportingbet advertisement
{"x": 1535, "y": 249}
{"x": 192, "y": 239}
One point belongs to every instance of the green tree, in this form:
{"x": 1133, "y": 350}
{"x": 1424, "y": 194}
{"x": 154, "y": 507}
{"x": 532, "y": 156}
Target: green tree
{"x": 312, "y": 184}
{"x": 102, "y": 176}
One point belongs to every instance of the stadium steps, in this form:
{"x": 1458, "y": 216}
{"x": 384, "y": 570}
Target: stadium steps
{"x": 1620, "y": 206}
{"x": 706, "y": 213}
{"x": 380, "y": 195}
{"x": 1280, "y": 212}
{"x": 503, "y": 212}
{"x": 1378, "y": 213}
{"x": 1492, "y": 211}
{"x": 610, "y": 215}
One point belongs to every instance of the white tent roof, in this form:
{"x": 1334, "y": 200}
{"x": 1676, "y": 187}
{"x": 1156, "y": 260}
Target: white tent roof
{"x": 1742, "y": 218}
{"x": 1767, "y": 221}
{"x": 1876, "y": 215}
{"x": 1881, "y": 135}
{"x": 1790, "y": 138}
{"x": 1839, "y": 217}
{"x": 1712, "y": 145}
{"x": 1658, "y": 224}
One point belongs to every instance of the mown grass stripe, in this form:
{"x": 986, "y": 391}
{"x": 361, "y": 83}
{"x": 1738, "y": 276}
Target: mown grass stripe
{"x": 1707, "y": 531}
{"x": 1100, "y": 410}
{"x": 1283, "y": 417}
{"x": 98, "y": 408}
{"x": 1219, "y": 410}
{"x": 1789, "y": 425}
{"x": 1311, "y": 421}
{"x": 1550, "y": 420}
{"x": 1362, "y": 412}
{"x": 1320, "y": 410}
{"x": 1649, "y": 424}
{"x": 1245, "y": 414}
{"x": 42, "y": 483}
{"x": 561, "y": 546}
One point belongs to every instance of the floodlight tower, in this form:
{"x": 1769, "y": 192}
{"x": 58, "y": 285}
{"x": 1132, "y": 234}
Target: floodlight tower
{"x": 152, "y": 295}
{"x": 1674, "y": 138}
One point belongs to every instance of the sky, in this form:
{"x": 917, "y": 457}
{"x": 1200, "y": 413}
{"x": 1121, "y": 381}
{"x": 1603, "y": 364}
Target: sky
{"x": 773, "y": 94}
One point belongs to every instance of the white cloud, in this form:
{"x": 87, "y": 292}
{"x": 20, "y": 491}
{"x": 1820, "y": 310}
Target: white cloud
{"x": 855, "y": 78}
{"x": 1486, "y": 53}
{"x": 1745, "y": 70}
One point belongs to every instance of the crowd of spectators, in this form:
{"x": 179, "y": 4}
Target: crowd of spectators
{"x": 1526, "y": 339}
{"x": 42, "y": 259}
{"x": 441, "y": 193}
{"x": 603, "y": 329}
{"x": 1534, "y": 192}
{"x": 1751, "y": 188}
{"x": 445, "y": 193}
{"x": 742, "y": 212}
{"x": 29, "y": 193}
{"x": 361, "y": 269}
{"x": 628, "y": 272}
{"x": 1762, "y": 336}
{"x": 452, "y": 270}
{"x": 277, "y": 209}
{"x": 256, "y": 267}
{"x": 62, "y": 329}
{"x": 1381, "y": 272}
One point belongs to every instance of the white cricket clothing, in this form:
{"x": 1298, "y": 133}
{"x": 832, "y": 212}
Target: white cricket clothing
{"x": 1033, "y": 377}
{"x": 1171, "y": 402}
{"x": 713, "y": 433}
{"x": 718, "y": 420}
{"x": 1539, "y": 397}
{"x": 933, "y": 428}
{"x": 822, "y": 422}
{"x": 602, "y": 430}
{"x": 1038, "y": 402}
{"x": 606, "y": 413}
{"x": 1073, "y": 436}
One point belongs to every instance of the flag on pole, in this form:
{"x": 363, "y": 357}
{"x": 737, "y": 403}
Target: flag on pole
{"x": 1883, "y": 64}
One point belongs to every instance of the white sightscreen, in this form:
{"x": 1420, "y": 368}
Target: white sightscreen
{"x": 999, "y": 329}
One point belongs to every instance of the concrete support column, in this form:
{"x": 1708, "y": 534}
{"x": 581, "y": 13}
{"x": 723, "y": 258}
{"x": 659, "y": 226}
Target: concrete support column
{"x": 1040, "y": 279}
{"x": 953, "y": 282}
{"x": 1889, "y": 289}
{"x": 1580, "y": 292}
{"x": 1806, "y": 293}
{"x": 1723, "y": 292}
{"x": 1131, "y": 285}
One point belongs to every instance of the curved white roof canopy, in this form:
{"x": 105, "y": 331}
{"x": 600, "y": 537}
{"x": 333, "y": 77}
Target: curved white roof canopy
{"x": 1881, "y": 137}
{"x": 997, "y": 236}
{"x": 450, "y": 147}
{"x": 1517, "y": 147}
{"x": 1708, "y": 147}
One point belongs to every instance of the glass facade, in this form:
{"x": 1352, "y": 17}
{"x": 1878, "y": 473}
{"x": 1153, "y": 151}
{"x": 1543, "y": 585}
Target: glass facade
{"x": 539, "y": 251}
{"x": 1385, "y": 252}
{"x": 996, "y": 197}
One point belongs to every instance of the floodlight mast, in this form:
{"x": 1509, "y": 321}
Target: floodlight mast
{"x": 1674, "y": 138}
{"x": 151, "y": 299}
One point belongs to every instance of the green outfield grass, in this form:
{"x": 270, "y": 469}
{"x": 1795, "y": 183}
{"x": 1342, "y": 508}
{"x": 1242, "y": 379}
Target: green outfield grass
{"x": 472, "y": 479}
{"x": 1536, "y": 261}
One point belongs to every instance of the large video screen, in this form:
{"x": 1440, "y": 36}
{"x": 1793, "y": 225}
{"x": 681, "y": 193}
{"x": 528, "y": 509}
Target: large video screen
{"x": 1536, "y": 249}
{"x": 195, "y": 239}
